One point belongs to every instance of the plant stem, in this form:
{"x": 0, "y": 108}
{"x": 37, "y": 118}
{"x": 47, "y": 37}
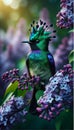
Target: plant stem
{"x": 58, "y": 125}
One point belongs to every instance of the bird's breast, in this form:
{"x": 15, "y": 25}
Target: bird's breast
{"x": 39, "y": 65}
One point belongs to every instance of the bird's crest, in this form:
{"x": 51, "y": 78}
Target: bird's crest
{"x": 41, "y": 34}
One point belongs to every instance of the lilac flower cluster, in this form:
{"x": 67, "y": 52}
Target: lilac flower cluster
{"x": 14, "y": 49}
{"x": 63, "y": 50}
{"x": 11, "y": 75}
{"x": 66, "y": 15}
{"x": 10, "y": 111}
{"x": 24, "y": 81}
{"x": 44, "y": 15}
{"x": 58, "y": 94}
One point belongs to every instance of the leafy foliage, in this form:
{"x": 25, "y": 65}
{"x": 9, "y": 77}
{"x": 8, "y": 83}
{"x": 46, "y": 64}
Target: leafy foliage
{"x": 72, "y": 30}
{"x": 11, "y": 88}
{"x": 38, "y": 94}
{"x": 71, "y": 58}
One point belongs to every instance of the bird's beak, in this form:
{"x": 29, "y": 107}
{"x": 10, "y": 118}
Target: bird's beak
{"x": 26, "y": 42}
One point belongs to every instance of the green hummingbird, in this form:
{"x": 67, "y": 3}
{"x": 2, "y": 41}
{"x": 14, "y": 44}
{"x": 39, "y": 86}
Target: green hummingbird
{"x": 40, "y": 61}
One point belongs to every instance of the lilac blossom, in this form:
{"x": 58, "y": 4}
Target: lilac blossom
{"x": 15, "y": 50}
{"x": 65, "y": 17}
{"x": 24, "y": 80}
{"x": 63, "y": 50}
{"x": 11, "y": 110}
{"x": 58, "y": 94}
{"x": 44, "y": 15}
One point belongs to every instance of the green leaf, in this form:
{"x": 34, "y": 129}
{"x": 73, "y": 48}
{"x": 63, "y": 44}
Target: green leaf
{"x": 11, "y": 88}
{"x": 9, "y": 91}
{"x": 58, "y": 125}
{"x": 72, "y": 30}
{"x": 21, "y": 92}
{"x": 71, "y": 58}
{"x": 61, "y": 118}
{"x": 6, "y": 98}
{"x": 38, "y": 94}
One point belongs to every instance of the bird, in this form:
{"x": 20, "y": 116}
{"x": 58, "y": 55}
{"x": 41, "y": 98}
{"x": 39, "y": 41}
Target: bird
{"x": 40, "y": 61}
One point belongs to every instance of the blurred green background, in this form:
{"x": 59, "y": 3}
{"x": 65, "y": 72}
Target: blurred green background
{"x": 12, "y": 10}
{"x": 10, "y": 13}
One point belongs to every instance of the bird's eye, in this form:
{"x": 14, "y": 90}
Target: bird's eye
{"x": 34, "y": 41}
{"x": 37, "y": 41}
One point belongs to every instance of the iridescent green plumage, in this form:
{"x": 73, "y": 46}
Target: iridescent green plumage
{"x": 39, "y": 65}
{"x": 40, "y": 62}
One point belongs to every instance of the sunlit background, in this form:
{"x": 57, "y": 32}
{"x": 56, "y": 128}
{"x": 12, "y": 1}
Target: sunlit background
{"x": 15, "y": 19}
{"x": 12, "y": 10}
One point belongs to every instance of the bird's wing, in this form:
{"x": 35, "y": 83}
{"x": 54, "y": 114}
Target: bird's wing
{"x": 52, "y": 63}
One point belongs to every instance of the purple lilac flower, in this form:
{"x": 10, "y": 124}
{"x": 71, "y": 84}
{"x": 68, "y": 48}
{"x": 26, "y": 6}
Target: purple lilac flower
{"x": 10, "y": 111}
{"x": 63, "y": 50}
{"x": 58, "y": 94}
{"x": 14, "y": 49}
{"x": 24, "y": 80}
{"x": 44, "y": 15}
{"x": 66, "y": 15}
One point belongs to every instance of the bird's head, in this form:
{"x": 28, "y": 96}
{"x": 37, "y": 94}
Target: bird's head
{"x": 40, "y": 35}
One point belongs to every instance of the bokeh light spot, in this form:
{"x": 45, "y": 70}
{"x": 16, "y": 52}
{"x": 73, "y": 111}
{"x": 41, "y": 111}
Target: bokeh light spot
{"x": 7, "y": 2}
